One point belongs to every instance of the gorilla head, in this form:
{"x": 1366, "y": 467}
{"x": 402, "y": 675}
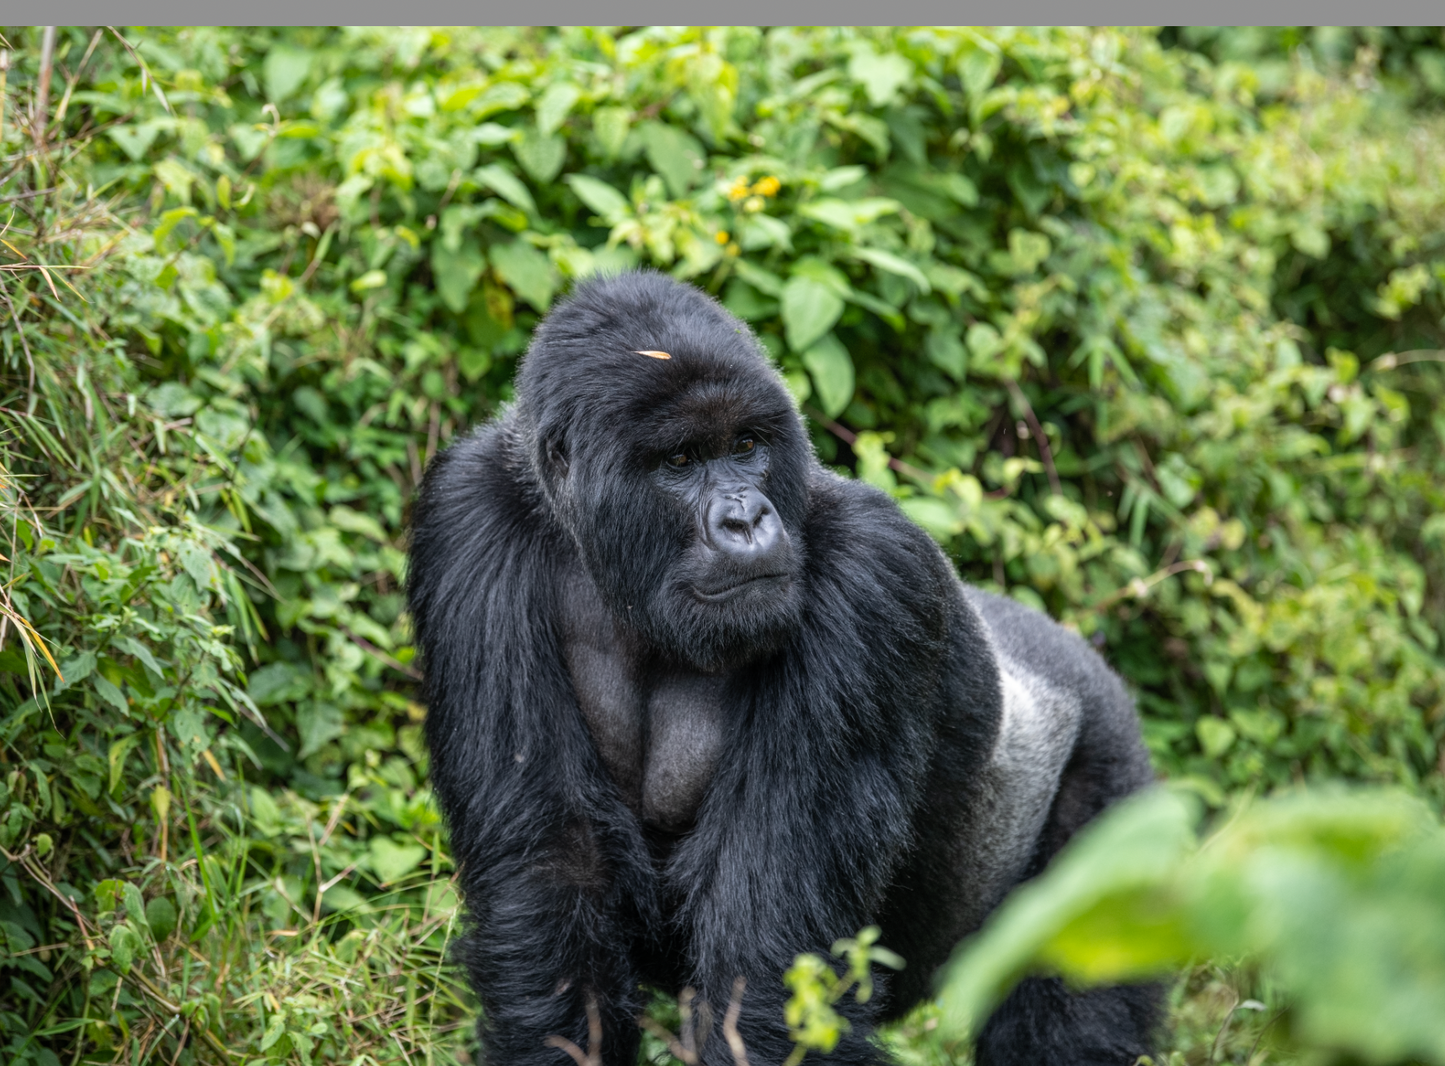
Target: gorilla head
{"x": 670, "y": 450}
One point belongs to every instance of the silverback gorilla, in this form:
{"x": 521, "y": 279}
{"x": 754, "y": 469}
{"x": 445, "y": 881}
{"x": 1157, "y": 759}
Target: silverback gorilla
{"x": 696, "y": 705}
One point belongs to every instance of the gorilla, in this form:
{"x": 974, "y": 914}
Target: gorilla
{"x": 696, "y": 704}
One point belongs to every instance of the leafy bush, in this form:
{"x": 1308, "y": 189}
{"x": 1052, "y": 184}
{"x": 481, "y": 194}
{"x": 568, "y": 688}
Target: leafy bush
{"x": 1336, "y": 894}
{"x": 1147, "y": 335}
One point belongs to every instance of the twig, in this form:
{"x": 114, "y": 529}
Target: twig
{"x": 593, "y": 1057}
{"x": 848, "y": 437}
{"x": 42, "y": 92}
{"x": 674, "y": 1045}
{"x": 1045, "y": 452}
{"x": 1390, "y": 360}
{"x": 367, "y": 646}
{"x": 730, "y": 1023}
{"x": 4, "y": 75}
{"x": 1139, "y": 586}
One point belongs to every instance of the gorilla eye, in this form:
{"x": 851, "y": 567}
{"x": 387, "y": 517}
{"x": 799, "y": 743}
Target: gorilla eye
{"x": 678, "y": 461}
{"x": 744, "y": 445}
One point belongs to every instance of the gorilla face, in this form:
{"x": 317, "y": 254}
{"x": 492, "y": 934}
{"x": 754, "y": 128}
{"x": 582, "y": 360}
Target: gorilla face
{"x": 678, "y": 526}
{"x": 681, "y": 471}
{"x": 732, "y": 593}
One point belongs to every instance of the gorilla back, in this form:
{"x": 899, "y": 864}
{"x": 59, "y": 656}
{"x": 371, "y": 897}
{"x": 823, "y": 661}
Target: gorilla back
{"x": 696, "y": 705}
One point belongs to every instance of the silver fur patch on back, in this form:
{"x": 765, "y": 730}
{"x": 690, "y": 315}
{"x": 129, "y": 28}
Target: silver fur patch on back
{"x": 1016, "y": 788}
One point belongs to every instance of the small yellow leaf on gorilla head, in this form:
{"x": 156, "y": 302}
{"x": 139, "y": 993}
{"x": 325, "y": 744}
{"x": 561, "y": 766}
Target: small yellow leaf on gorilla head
{"x": 655, "y": 355}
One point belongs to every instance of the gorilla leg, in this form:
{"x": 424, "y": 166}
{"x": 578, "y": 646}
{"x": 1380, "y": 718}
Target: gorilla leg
{"x": 1041, "y": 1022}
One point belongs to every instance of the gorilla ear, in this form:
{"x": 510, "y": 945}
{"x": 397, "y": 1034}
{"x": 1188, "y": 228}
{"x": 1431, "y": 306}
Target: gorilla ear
{"x": 557, "y": 462}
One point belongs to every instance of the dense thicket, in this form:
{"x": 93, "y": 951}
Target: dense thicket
{"x": 1144, "y": 328}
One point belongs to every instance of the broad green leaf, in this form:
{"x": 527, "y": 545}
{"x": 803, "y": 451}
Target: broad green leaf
{"x": 675, "y": 154}
{"x": 160, "y": 915}
{"x": 809, "y": 308}
{"x": 391, "y": 861}
{"x": 527, "y": 271}
{"x": 610, "y": 125}
{"x": 880, "y": 75}
{"x": 169, "y": 221}
{"x": 849, "y": 214}
{"x": 135, "y": 140}
{"x": 500, "y": 96}
{"x": 609, "y": 204}
{"x": 507, "y": 185}
{"x": 541, "y": 156}
{"x": 554, "y": 104}
{"x": 119, "y": 749}
{"x": 894, "y": 264}
{"x": 831, "y": 369}
{"x": 1123, "y": 857}
{"x": 456, "y": 273}
{"x": 75, "y": 669}
{"x": 977, "y": 68}
{"x": 110, "y": 692}
{"x": 125, "y": 942}
{"x": 318, "y": 723}
{"x": 284, "y": 70}
{"x": 947, "y": 351}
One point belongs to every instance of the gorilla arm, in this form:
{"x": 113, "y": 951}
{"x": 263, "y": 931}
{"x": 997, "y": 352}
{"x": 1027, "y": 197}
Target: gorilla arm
{"x": 549, "y": 857}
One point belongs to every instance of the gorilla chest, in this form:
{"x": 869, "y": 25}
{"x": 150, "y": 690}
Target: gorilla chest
{"x": 659, "y": 731}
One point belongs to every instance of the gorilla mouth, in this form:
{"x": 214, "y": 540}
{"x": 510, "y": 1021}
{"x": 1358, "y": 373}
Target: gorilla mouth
{"x": 726, "y": 592}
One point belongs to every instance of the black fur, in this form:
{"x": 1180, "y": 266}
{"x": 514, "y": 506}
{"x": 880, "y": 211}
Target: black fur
{"x": 646, "y": 785}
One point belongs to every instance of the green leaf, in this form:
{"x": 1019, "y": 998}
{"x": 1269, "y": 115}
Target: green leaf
{"x": 372, "y": 279}
{"x": 947, "y": 352}
{"x": 675, "y": 154}
{"x": 610, "y": 126}
{"x": 1216, "y": 736}
{"x": 978, "y": 67}
{"x": 554, "y": 105}
{"x": 119, "y": 749}
{"x": 391, "y": 861}
{"x": 506, "y": 185}
{"x": 831, "y": 369}
{"x": 319, "y": 724}
{"x": 135, "y": 908}
{"x": 880, "y": 75}
{"x": 160, "y": 914}
{"x": 456, "y": 273}
{"x": 610, "y": 205}
{"x": 541, "y": 156}
{"x": 169, "y": 221}
{"x": 125, "y": 942}
{"x": 810, "y": 308}
{"x": 75, "y": 670}
{"x": 1132, "y": 851}
{"x": 135, "y": 140}
{"x": 894, "y": 264}
{"x": 110, "y": 692}
{"x": 283, "y": 71}
{"x": 849, "y": 214}
{"x": 527, "y": 271}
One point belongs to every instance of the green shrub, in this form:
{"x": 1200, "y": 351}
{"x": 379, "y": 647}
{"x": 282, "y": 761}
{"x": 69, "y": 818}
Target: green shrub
{"x": 1149, "y": 336}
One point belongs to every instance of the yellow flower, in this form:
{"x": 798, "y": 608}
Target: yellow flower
{"x": 754, "y": 203}
{"x": 768, "y": 186}
{"x": 738, "y": 189}
{"x": 721, "y": 236}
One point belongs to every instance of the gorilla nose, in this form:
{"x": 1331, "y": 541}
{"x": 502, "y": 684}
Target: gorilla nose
{"x": 743, "y": 525}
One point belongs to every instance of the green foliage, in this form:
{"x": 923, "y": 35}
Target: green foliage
{"x": 1145, "y": 330}
{"x": 816, "y": 987}
{"x": 1335, "y": 894}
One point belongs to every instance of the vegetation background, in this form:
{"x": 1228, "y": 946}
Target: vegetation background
{"x": 1144, "y": 326}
